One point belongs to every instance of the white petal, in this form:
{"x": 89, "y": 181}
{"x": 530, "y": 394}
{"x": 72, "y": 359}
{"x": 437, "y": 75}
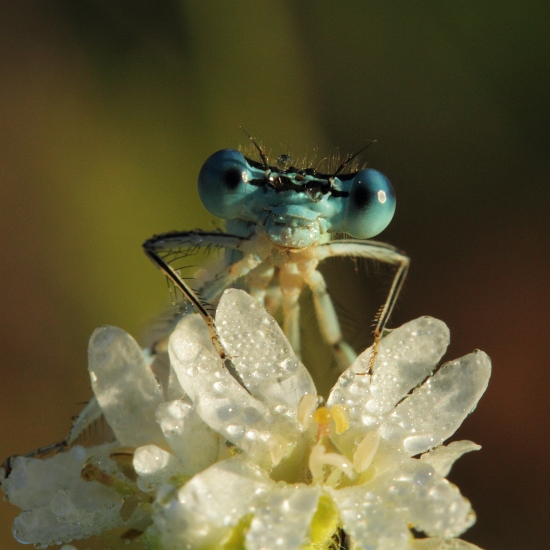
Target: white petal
{"x": 424, "y": 499}
{"x": 262, "y": 354}
{"x": 352, "y": 391}
{"x": 435, "y": 410}
{"x": 406, "y": 356}
{"x": 60, "y": 506}
{"x": 204, "y": 510}
{"x": 439, "y": 543}
{"x": 371, "y": 524}
{"x": 443, "y": 457}
{"x": 378, "y": 513}
{"x": 221, "y": 402}
{"x": 125, "y": 387}
{"x": 193, "y": 442}
{"x": 283, "y": 518}
{"x": 32, "y": 481}
{"x": 154, "y": 466}
{"x": 194, "y": 324}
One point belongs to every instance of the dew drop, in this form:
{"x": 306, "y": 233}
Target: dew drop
{"x": 235, "y": 431}
{"x": 18, "y": 536}
{"x": 227, "y": 412}
{"x": 220, "y": 387}
{"x": 291, "y": 364}
{"x": 251, "y": 415}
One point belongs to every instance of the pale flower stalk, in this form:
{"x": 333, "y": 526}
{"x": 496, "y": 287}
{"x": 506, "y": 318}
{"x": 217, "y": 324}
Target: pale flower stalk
{"x": 198, "y": 462}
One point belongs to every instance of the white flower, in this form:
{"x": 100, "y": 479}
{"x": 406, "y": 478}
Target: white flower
{"x": 220, "y": 467}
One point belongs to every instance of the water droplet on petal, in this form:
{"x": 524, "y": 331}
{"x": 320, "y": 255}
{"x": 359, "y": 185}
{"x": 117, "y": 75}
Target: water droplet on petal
{"x": 235, "y": 431}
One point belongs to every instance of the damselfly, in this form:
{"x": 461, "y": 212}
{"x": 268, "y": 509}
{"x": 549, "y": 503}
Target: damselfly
{"x": 279, "y": 223}
{"x": 279, "y": 226}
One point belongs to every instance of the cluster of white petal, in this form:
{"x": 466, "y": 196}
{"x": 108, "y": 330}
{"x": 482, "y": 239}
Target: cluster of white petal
{"x": 215, "y": 466}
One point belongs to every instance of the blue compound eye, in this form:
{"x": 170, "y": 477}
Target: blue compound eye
{"x": 223, "y": 182}
{"x": 370, "y": 205}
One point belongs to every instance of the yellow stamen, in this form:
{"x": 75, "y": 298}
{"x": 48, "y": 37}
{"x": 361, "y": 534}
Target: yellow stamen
{"x": 322, "y": 416}
{"x": 338, "y": 413}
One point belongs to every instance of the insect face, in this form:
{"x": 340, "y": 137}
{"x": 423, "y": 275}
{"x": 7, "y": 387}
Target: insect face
{"x": 297, "y": 208}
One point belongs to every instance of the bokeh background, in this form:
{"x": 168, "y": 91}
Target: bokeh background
{"x": 108, "y": 109}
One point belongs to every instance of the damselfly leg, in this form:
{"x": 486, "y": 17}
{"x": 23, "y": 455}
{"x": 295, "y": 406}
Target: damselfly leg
{"x": 276, "y": 279}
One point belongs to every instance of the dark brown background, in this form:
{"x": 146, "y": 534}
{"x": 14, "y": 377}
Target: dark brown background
{"x": 108, "y": 109}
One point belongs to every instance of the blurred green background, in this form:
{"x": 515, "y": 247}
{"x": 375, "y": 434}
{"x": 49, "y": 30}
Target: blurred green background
{"x": 108, "y": 110}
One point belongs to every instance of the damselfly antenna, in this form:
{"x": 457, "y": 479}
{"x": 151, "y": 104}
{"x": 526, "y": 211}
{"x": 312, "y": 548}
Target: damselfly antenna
{"x": 351, "y": 157}
{"x": 260, "y": 150}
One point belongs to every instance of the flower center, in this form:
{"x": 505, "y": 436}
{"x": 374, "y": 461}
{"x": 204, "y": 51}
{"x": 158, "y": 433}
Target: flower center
{"x": 326, "y": 463}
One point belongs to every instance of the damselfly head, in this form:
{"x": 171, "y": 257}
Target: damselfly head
{"x": 298, "y": 207}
